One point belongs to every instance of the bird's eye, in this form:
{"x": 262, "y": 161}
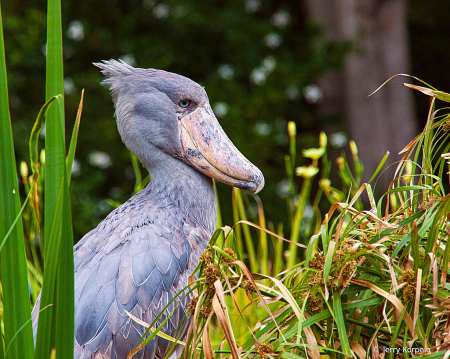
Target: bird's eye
{"x": 184, "y": 103}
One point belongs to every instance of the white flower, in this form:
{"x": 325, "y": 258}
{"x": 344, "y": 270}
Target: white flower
{"x": 263, "y": 129}
{"x": 252, "y": 5}
{"x": 273, "y": 40}
{"x": 99, "y": 159}
{"x": 69, "y": 86}
{"x": 226, "y": 71}
{"x": 269, "y": 63}
{"x": 161, "y": 11}
{"x": 281, "y": 18}
{"x": 258, "y": 76}
{"x": 338, "y": 139}
{"x": 313, "y": 94}
{"x": 220, "y": 109}
{"x": 76, "y": 30}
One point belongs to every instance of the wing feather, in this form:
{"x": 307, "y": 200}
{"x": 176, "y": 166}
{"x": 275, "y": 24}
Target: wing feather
{"x": 142, "y": 267}
{"x": 114, "y": 319}
{"x": 125, "y": 287}
{"x": 136, "y": 260}
{"x": 162, "y": 256}
{"x": 97, "y": 342}
{"x": 91, "y": 312}
{"x": 168, "y": 278}
{"x": 109, "y": 267}
{"x": 148, "y": 289}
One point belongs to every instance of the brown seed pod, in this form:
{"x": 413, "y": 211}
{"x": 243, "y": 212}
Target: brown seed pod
{"x": 264, "y": 349}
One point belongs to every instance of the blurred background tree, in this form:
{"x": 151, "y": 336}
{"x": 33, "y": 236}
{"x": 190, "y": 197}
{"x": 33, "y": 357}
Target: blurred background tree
{"x": 379, "y": 31}
{"x": 260, "y": 61}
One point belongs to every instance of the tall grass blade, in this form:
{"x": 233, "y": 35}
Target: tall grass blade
{"x": 263, "y": 247}
{"x": 54, "y": 135}
{"x": 16, "y": 304}
{"x": 34, "y": 155}
{"x": 297, "y": 221}
{"x": 380, "y": 166}
{"x": 65, "y": 299}
{"x": 13, "y": 226}
{"x": 44, "y": 334}
{"x": 340, "y": 323}
{"x": 254, "y": 265}
{"x": 56, "y": 327}
{"x": 278, "y": 246}
{"x": 34, "y": 138}
{"x": 221, "y": 239}
{"x": 2, "y": 351}
{"x": 74, "y": 139}
{"x": 443, "y": 211}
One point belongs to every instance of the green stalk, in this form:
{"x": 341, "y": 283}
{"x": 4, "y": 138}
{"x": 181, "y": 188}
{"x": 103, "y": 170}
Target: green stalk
{"x": 65, "y": 295}
{"x": 16, "y": 305}
{"x": 263, "y": 245}
{"x": 254, "y": 265}
{"x": 237, "y": 228}
{"x": 340, "y": 324}
{"x": 44, "y": 337}
{"x": 298, "y": 216}
{"x": 54, "y": 138}
{"x": 290, "y": 192}
{"x": 64, "y": 321}
{"x": 278, "y": 245}
{"x": 56, "y": 326}
{"x": 221, "y": 239}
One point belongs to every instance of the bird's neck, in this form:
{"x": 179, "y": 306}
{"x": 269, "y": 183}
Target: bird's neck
{"x": 178, "y": 184}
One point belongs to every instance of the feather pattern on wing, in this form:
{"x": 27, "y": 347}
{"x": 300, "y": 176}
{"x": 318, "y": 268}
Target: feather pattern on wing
{"x": 137, "y": 259}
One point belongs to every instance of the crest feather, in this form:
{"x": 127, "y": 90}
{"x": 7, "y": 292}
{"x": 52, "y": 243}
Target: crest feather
{"x": 114, "y": 69}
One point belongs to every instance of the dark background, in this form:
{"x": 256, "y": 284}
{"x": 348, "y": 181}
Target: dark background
{"x": 263, "y": 63}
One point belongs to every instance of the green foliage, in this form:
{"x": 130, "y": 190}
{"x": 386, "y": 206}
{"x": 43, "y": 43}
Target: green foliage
{"x": 371, "y": 281}
{"x": 56, "y": 325}
{"x": 17, "y": 335}
{"x": 56, "y": 321}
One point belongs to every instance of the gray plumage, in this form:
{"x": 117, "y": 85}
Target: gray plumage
{"x": 143, "y": 253}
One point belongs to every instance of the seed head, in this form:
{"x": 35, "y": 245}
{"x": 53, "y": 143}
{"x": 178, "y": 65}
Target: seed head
{"x": 206, "y": 256}
{"x": 206, "y": 308}
{"x": 192, "y": 305}
{"x": 230, "y": 252}
{"x": 211, "y": 273}
{"x": 264, "y": 349}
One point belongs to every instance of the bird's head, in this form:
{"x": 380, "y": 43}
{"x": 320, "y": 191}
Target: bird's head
{"x": 162, "y": 111}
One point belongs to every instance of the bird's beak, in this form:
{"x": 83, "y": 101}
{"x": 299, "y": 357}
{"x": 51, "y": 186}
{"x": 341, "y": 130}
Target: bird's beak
{"x": 209, "y": 150}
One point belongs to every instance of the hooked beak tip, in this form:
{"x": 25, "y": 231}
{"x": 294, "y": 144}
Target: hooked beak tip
{"x": 258, "y": 180}
{"x": 260, "y": 186}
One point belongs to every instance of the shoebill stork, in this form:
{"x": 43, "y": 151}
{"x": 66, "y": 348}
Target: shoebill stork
{"x": 144, "y": 252}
